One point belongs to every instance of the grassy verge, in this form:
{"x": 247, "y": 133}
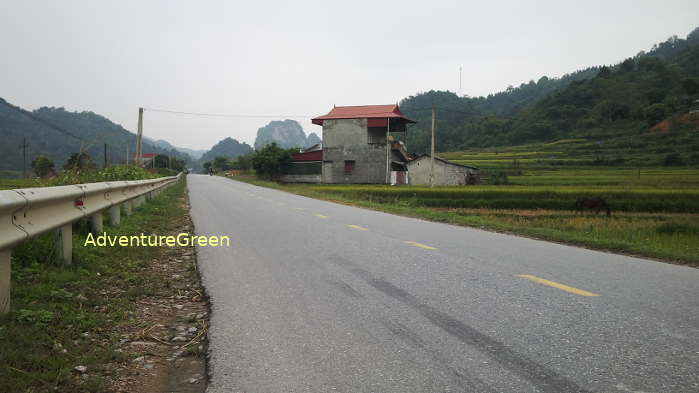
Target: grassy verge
{"x": 68, "y": 316}
{"x": 672, "y": 237}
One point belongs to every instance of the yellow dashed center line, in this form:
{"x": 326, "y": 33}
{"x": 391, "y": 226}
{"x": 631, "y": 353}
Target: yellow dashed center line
{"x": 358, "y": 227}
{"x": 321, "y": 216}
{"x": 562, "y": 287}
{"x": 416, "y": 244}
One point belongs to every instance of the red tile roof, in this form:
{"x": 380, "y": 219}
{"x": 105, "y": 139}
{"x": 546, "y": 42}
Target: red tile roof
{"x": 363, "y": 112}
{"x": 314, "y": 155}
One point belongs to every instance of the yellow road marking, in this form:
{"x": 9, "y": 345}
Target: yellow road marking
{"x": 358, "y": 227}
{"x": 562, "y": 287}
{"x": 416, "y": 244}
{"x": 321, "y": 216}
{"x": 299, "y": 208}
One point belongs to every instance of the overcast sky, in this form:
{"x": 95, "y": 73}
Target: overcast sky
{"x": 301, "y": 57}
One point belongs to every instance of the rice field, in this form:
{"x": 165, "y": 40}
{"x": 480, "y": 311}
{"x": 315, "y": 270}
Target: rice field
{"x": 655, "y": 210}
{"x": 638, "y": 199}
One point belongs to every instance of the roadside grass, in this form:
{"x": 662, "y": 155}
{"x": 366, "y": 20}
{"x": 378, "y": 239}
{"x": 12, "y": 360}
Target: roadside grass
{"x": 672, "y": 237}
{"x": 12, "y": 183}
{"x": 68, "y": 315}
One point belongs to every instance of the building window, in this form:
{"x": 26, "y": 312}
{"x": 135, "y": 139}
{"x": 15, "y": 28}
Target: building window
{"x": 376, "y": 135}
{"x": 349, "y": 167}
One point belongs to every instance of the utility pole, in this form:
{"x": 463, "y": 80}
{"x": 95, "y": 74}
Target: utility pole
{"x": 23, "y": 146}
{"x": 127, "y": 153}
{"x": 388, "y": 151}
{"x": 432, "y": 152}
{"x": 169, "y": 161}
{"x": 139, "y": 137}
{"x": 105, "y": 155}
{"x": 459, "y": 81}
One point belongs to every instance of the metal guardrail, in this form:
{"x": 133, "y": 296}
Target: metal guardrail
{"x": 29, "y": 212}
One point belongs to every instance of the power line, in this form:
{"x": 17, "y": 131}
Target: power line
{"x": 239, "y": 116}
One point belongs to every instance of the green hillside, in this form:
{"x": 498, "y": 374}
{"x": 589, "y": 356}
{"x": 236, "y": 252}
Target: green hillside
{"x": 57, "y": 133}
{"x": 641, "y": 103}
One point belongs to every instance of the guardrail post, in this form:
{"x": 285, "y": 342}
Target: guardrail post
{"x": 5, "y": 276}
{"x": 97, "y": 223}
{"x": 115, "y": 215}
{"x": 65, "y": 243}
{"x": 127, "y": 208}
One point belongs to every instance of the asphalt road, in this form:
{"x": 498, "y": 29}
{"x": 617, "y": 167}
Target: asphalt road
{"x": 313, "y": 296}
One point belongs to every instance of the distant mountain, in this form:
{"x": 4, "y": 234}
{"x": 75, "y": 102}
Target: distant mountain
{"x": 286, "y": 134}
{"x": 57, "y": 133}
{"x": 196, "y": 154}
{"x": 312, "y": 139}
{"x": 229, "y": 148}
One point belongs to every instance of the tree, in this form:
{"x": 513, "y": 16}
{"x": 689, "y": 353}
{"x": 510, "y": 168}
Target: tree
{"x": 269, "y": 160}
{"x": 42, "y": 166}
{"x": 655, "y": 113}
{"x": 627, "y": 65}
{"x": 79, "y": 161}
{"x": 243, "y": 162}
{"x": 221, "y": 163}
{"x": 207, "y": 165}
{"x": 690, "y": 86}
{"x": 161, "y": 161}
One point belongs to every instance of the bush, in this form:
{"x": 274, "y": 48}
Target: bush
{"x": 673, "y": 159}
{"x": 112, "y": 173}
{"x": 499, "y": 178}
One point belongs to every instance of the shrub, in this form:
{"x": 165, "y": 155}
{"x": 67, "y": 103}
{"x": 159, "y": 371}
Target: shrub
{"x": 673, "y": 159}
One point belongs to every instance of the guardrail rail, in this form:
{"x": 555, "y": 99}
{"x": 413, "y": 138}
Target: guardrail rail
{"x": 29, "y": 212}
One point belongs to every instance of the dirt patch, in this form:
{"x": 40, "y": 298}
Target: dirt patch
{"x": 166, "y": 349}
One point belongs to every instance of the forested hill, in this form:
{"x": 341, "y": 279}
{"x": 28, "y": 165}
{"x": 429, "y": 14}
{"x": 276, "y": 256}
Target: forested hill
{"x": 57, "y": 133}
{"x": 228, "y": 147}
{"x": 601, "y": 102}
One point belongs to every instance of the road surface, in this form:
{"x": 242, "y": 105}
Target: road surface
{"x": 313, "y": 296}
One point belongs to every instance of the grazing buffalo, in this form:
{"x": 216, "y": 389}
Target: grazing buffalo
{"x": 594, "y": 203}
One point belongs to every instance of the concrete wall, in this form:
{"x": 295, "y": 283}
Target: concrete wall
{"x": 301, "y": 178}
{"x": 348, "y": 139}
{"x": 444, "y": 174}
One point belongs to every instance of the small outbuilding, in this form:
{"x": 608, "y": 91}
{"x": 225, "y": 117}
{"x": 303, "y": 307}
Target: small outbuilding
{"x": 305, "y": 166}
{"x": 446, "y": 173}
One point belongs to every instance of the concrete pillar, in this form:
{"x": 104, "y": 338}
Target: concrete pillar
{"x": 64, "y": 242}
{"x": 5, "y": 276}
{"x": 115, "y": 215}
{"x": 127, "y": 208}
{"x": 97, "y": 223}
